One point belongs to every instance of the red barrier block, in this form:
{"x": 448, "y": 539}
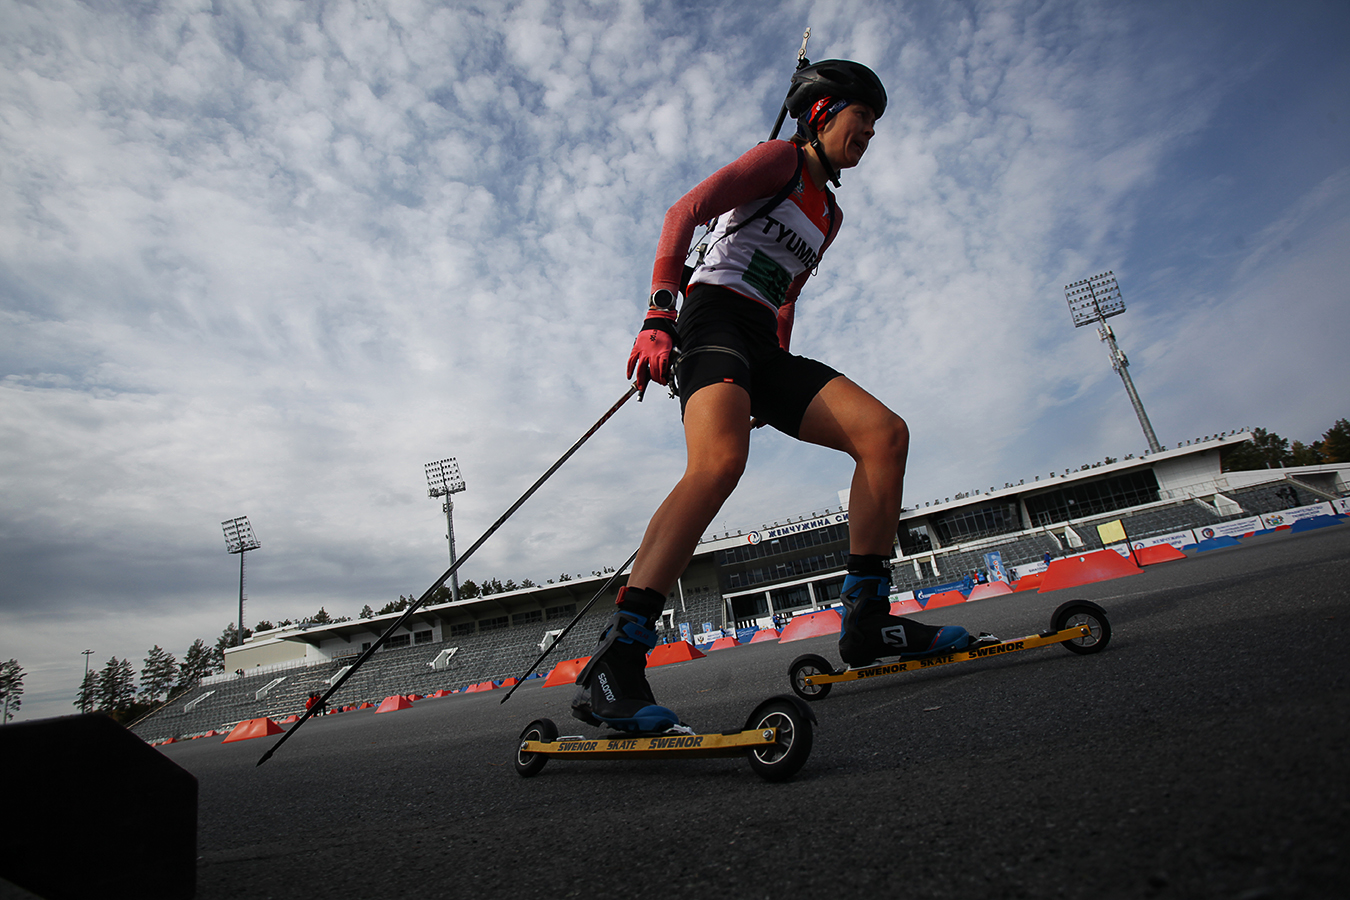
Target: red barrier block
{"x": 992, "y": 589}
{"x": 946, "y": 598}
{"x": 289, "y": 719}
{"x": 723, "y": 643}
{"x": 394, "y": 704}
{"x": 441, "y": 693}
{"x": 510, "y": 682}
{"x": 816, "y": 624}
{"x": 765, "y": 634}
{"x": 566, "y": 672}
{"x": 1101, "y": 565}
{"x": 1029, "y": 582}
{"x": 680, "y": 651}
{"x": 1158, "y": 553}
{"x": 904, "y": 607}
{"x": 253, "y": 728}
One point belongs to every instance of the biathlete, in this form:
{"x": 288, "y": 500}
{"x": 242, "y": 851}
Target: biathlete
{"x": 775, "y": 217}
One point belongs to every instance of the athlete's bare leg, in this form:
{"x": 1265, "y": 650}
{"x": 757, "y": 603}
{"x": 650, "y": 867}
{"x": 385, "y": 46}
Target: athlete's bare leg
{"x": 717, "y": 441}
{"x": 845, "y": 417}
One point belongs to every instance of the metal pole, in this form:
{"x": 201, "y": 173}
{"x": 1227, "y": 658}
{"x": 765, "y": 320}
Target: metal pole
{"x": 84, "y": 685}
{"x": 239, "y": 638}
{"x": 450, "y": 534}
{"x": 575, "y": 619}
{"x": 1122, "y": 366}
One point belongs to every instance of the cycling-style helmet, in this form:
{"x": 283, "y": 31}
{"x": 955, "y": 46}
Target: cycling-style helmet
{"x": 840, "y": 78}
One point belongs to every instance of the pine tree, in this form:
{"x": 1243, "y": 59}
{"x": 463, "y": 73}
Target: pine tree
{"x": 198, "y": 662}
{"x": 11, "y": 688}
{"x": 366, "y": 612}
{"x": 321, "y": 617}
{"x": 87, "y": 700}
{"x": 228, "y": 638}
{"x": 1266, "y": 450}
{"x": 116, "y": 685}
{"x": 157, "y": 674}
{"x": 1335, "y": 444}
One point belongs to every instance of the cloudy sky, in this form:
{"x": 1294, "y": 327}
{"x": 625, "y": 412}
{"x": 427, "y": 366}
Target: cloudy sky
{"x": 269, "y": 259}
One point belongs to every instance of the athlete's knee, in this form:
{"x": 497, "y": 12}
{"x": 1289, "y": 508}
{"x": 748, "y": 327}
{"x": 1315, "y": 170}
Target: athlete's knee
{"x": 887, "y": 442}
{"x": 718, "y": 472}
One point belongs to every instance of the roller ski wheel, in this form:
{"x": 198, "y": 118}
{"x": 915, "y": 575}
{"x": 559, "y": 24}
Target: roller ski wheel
{"x": 531, "y": 764}
{"x": 791, "y": 720}
{"x": 1083, "y": 613}
{"x": 807, "y": 666}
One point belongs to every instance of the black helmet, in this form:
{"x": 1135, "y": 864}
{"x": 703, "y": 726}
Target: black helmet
{"x": 835, "y": 78}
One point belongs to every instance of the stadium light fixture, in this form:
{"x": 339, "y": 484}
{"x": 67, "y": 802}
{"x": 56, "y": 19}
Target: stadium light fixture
{"x": 443, "y": 480}
{"x": 239, "y": 539}
{"x": 1094, "y": 300}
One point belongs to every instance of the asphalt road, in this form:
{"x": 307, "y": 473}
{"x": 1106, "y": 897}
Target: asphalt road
{"x": 1202, "y": 754}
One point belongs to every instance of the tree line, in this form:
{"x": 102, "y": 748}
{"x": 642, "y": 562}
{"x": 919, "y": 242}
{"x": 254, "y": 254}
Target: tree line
{"x": 1267, "y": 450}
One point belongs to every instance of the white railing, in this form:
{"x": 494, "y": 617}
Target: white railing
{"x": 264, "y": 691}
{"x": 222, "y": 677}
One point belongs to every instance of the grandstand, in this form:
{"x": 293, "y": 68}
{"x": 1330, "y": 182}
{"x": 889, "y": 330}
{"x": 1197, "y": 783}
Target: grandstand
{"x": 740, "y": 581}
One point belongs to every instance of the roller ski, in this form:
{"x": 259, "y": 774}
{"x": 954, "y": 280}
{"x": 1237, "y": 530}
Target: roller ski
{"x": 776, "y": 741}
{"x": 612, "y": 692}
{"x": 1080, "y": 626}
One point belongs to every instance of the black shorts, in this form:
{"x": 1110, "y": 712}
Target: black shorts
{"x": 728, "y": 338}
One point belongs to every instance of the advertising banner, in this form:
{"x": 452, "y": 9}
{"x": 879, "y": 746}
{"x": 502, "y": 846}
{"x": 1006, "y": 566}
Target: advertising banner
{"x": 1235, "y": 528}
{"x": 685, "y": 632}
{"x": 922, "y": 594}
{"x": 1290, "y": 516}
{"x": 993, "y": 564}
{"x": 1177, "y": 539}
{"x": 1343, "y": 506}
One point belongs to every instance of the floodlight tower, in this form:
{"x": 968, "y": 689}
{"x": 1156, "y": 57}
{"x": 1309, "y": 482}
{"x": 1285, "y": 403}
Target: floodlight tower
{"x": 1096, "y": 299}
{"x": 84, "y": 694}
{"x": 239, "y": 539}
{"x": 443, "y": 479}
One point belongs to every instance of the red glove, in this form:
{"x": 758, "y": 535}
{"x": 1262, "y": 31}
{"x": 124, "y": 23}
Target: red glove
{"x": 650, "y": 358}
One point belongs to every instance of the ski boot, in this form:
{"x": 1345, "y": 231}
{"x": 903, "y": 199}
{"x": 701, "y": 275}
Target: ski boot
{"x": 870, "y": 632}
{"x": 612, "y": 690}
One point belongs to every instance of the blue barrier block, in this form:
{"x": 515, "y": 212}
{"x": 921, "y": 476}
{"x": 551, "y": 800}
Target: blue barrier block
{"x": 1316, "y": 522}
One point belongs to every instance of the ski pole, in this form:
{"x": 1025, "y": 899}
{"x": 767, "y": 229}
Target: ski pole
{"x": 412, "y": 608}
{"x": 802, "y": 62}
{"x": 575, "y": 619}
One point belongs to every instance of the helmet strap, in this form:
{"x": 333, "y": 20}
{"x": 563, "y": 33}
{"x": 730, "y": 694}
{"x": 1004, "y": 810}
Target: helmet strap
{"x": 831, "y": 174}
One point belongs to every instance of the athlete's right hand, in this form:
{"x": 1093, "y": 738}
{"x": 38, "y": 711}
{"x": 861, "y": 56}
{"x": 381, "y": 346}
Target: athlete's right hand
{"x": 650, "y": 359}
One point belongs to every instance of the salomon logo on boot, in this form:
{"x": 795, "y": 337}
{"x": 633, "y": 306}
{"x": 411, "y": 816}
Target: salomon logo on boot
{"x": 894, "y": 636}
{"x": 604, "y": 686}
